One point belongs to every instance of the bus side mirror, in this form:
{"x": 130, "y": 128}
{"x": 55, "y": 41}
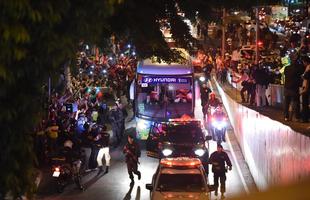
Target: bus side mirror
{"x": 208, "y": 137}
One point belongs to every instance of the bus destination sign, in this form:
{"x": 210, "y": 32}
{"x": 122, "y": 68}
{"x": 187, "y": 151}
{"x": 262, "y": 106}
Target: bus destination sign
{"x": 156, "y": 79}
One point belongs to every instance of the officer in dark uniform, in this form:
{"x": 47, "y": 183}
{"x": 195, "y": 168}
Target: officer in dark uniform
{"x": 132, "y": 153}
{"x": 218, "y": 160}
{"x": 122, "y": 112}
{"x": 115, "y": 117}
{"x": 204, "y": 95}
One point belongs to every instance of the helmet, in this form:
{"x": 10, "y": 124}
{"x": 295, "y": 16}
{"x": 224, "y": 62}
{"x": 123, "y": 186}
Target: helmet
{"x": 212, "y": 94}
{"x": 68, "y": 143}
{"x": 219, "y": 108}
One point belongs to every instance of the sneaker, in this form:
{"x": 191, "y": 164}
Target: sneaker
{"x": 215, "y": 192}
{"x": 100, "y": 170}
{"x": 139, "y": 175}
{"x": 106, "y": 170}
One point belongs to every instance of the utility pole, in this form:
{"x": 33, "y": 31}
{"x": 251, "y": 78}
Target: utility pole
{"x": 223, "y": 34}
{"x": 49, "y": 88}
{"x": 257, "y": 36}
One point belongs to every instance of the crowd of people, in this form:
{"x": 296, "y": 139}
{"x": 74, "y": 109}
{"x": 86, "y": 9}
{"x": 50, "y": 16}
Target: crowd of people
{"x": 290, "y": 68}
{"x": 90, "y": 101}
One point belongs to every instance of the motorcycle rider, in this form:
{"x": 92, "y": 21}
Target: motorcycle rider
{"x": 204, "y": 95}
{"x": 132, "y": 153}
{"x": 220, "y": 115}
{"x": 213, "y": 103}
{"x": 73, "y": 158}
{"x": 218, "y": 160}
{"x": 102, "y": 142}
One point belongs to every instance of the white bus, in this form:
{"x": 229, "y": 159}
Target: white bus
{"x": 162, "y": 92}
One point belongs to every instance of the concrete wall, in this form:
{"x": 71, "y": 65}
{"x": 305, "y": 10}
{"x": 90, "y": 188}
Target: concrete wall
{"x": 276, "y": 154}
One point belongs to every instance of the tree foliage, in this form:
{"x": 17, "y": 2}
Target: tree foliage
{"x": 36, "y": 38}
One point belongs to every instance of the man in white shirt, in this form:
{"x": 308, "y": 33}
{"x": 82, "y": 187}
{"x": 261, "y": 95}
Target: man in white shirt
{"x": 235, "y": 58}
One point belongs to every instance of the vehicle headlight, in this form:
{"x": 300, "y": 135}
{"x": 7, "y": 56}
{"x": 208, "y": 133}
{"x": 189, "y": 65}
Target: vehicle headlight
{"x": 202, "y": 78}
{"x": 167, "y": 152}
{"x": 199, "y": 152}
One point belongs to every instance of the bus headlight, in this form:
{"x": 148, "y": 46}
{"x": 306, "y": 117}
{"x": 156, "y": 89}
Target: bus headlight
{"x": 202, "y": 78}
{"x": 167, "y": 152}
{"x": 199, "y": 152}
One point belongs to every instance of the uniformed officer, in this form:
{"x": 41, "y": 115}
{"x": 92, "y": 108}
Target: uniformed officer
{"x": 132, "y": 153}
{"x": 115, "y": 117}
{"x": 218, "y": 160}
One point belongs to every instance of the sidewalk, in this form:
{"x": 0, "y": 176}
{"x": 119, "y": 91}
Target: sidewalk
{"x": 271, "y": 112}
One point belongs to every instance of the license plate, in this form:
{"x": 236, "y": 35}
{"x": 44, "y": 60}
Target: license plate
{"x": 56, "y": 174}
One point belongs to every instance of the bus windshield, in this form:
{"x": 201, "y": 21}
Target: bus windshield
{"x": 164, "y": 96}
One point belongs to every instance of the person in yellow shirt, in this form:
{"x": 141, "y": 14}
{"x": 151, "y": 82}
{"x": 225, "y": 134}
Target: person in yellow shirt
{"x": 52, "y": 133}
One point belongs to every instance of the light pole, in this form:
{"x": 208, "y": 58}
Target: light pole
{"x": 257, "y": 36}
{"x": 223, "y": 34}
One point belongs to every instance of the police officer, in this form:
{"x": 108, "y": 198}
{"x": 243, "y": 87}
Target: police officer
{"x": 102, "y": 142}
{"x": 132, "y": 153}
{"x": 122, "y": 112}
{"x": 218, "y": 160}
{"x": 115, "y": 117}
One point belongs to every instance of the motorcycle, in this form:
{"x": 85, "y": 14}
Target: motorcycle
{"x": 65, "y": 173}
{"x": 218, "y": 126}
{"x": 217, "y": 123}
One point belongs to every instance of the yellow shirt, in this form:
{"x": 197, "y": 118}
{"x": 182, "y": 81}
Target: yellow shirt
{"x": 52, "y": 131}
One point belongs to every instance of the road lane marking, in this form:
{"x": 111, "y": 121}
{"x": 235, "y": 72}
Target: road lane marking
{"x": 233, "y": 152}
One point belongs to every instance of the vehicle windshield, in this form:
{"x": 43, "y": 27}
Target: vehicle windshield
{"x": 184, "y": 133}
{"x": 180, "y": 183}
{"x": 164, "y": 96}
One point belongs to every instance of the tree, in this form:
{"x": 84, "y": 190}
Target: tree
{"x": 37, "y": 37}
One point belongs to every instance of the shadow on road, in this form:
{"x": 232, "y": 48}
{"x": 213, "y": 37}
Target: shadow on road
{"x": 93, "y": 180}
{"x": 128, "y": 194}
